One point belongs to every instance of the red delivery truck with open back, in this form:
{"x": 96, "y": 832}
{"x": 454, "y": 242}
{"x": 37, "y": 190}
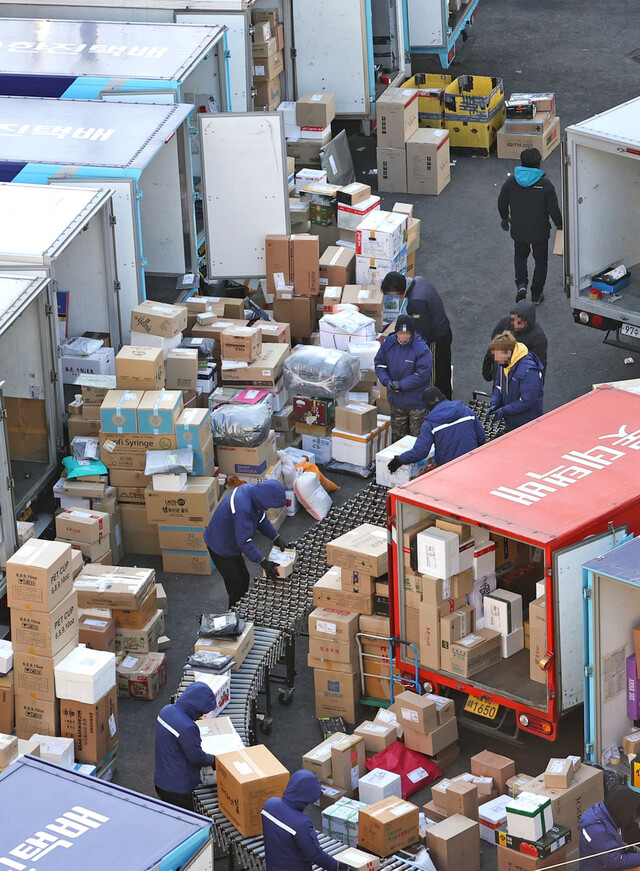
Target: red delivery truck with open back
{"x": 526, "y": 510}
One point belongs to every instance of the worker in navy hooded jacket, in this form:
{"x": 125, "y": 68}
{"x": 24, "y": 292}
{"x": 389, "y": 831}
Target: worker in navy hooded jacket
{"x": 179, "y": 753}
{"x": 451, "y": 426}
{"x": 603, "y": 827}
{"x": 229, "y": 534}
{"x": 290, "y": 840}
{"x": 526, "y": 202}
{"x": 519, "y": 388}
{"x": 403, "y": 364}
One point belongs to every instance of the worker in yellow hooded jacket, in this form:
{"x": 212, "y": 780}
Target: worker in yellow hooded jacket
{"x": 518, "y": 389}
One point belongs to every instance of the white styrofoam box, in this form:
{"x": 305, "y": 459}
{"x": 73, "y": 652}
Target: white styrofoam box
{"x": 350, "y": 217}
{"x": 101, "y": 362}
{"x": 6, "y": 656}
{"x": 85, "y": 675}
{"x": 438, "y": 554}
{"x": 503, "y": 611}
{"x": 288, "y": 111}
{"x": 529, "y": 816}
{"x": 147, "y": 340}
{"x": 541, "y": 588}
{"x": 365, "y": 352}
{"x": 484, "y": 559}
{"x": 58, "y": 750}
{"x": 379, "y": 784}
{"x": 481, "y": 587}
{"x": 465, "y": 554}
{"x": 220, "y": 686}
{"x": 300, "y": 456}
{"x": 382, "y": 234}
{"x": 278, "y": 395}
{"x": 358, "y": 450}
{"x": 347, "y": 326}
{"x": 372, "y": 270}
{"x": 512, "y": 643}
{"x": 491, "y": 815}
{"x": 405, "y": 473}
{"x": 307, "y": 176}
{"x": 319, "y": 446}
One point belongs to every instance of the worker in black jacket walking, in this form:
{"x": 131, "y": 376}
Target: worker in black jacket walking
{"x": 526, "y": 202}
{"x": 424, "y": 304}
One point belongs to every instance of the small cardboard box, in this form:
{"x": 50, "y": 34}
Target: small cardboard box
{"x": 158, "y": 318}
{"x": 39, "y": 575}
{"x": 327, "y": 650}
{"x": 97, "y": 633}
{"x": 139, "y": 368}
{"x": 500, "y": 768}
{"x": 329, "y": 795}
{"x": 347, "y": 762}
{"x": 415, "y": 712}
{"x": 396, "y": 117}
{"x": 354, "y": 193}
{"x": 333, "y": 625}
{"x": 378, "y": 784}
{"x": 475, "y": 652}
{"x": 558, "y": 773}
{"x": 435, "y": 741}
{"x": 340, "y": 820}
{"x": 8, "y": 750}
{"x": 267, "y": 68}
{"x": 329, "y": 592}
{"x": 235, "y": 460}
{"x": 445, "y": 708}
{"x": 392, "y": 169}
{"x": 454, "y": 843}
{"x": 337, "y": 694}
{"x": 45, "y": 634}
{"x": 193, "y": 428}
{"x": 388, "y": 826}
{"x": 363, "y": 548}
{"x": 356, "y": 417}
{"x": 238, "y": 648}
{"x": 89, "y": 527}
{"x": 144, "y": 640}
{"x": 315, "y": 110}
{"x": 118, "y": 411}
{"x": 141, "y": 675}
{"x": 438, "y": 552}
{"x": 241, "y": 343}
{"x": 181, "y": 369}
{"x": 159, "y": 411}
{"x": 246, "y": 779}
{"x": 377, "y": 736}
{"x": 337, "y": 267}
{"x": 93, "y": 727}
{"x": 318, "y": 759}
{"x": 36, "y": 716}
{"x": 137, "y": 618}
{"x": 462, "y": 798}
{"x": 265, "y": 370}
{"x": 428, "y": 161}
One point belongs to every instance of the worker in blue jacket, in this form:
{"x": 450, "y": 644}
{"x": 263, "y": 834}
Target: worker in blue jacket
{"x": 290, "y": 840}
{"x": 518, "y": 390}
{"x": 451, "y": 426}
{"x": 403, "y": 364}
{"x": 230, "y": 531}
{"x": 602, "y": 828}
{"x": 179, "y": 753}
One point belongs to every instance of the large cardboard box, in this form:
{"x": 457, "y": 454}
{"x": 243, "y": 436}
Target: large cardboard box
{"x": 356, "y": 417}
{"x": 368, "y": 298}
{"x": 434, "y": 742}
{"x": 337, "y": 694}
{"x": 332, "y": 625}
{"x": 392, "y": 169}
{"x": 363, "y": 548}
{"x": 500, "y": 768}
{"x": 234, "y": 460}
{"x": 158, "y": 318}
{"x": 315, "y": 110}
{"x": 415, "y": 712}
{"x": 265, "y": 370}
{"x": 36, "y": 716}
{"x": 475, "y": 652}
{"x": 159, "y": 411}
{"x": 267, "y": 68}
{"x": 33, "y": 674}
{"x": 188, "y": 562}
{"x": 192, "y": 505}
{"x": 326, "y": 649}
{"x": 138, "y": 535}
{"x": 329, "y": 592}
{"x": 113, "y": 586}
{"x": 246, "y": 779}
{"x": 381, "y": 236}
{"x": 430, "y": 631}
{"x": 129, "y": 450}
{"x": 299, "y": 312}
{"x": 39, "y": 575}
{"x": 118, "y": 411}
{"x": 77, "y": 524}
{"x": 93, "y": 727}
{"x": 139, "y": 368}
{"x": 182, "y": 538}
{"x": 45, "y": 634}
{"x": 388, "y": 825}
{"x": 347, "y": 762}
{"x": 454, "y": 844}
{"x": 305, "y": 271}
{"x": 428, "y": 161}
{"x": 396, "y": 117}
{"x": 318, "y": 759}
{"x": 241, "y": 343}
{"x": 181, "y": 369}
{"x": 511, "y": 144}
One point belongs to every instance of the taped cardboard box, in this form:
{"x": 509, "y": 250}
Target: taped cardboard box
{"x": 139, "y": 368}
{"x": 347, "y": 762}
{"x": 264, "y": 371}
{"x": 192, "y": 505}
{"x": 93, "y": 727}
{"x": 238, "y": 649}
{"x": 396, "y": 117}
{"x": 39, "y": 575}
{"x": 141, "y": 675}
{"x": 388, "y": 826}
{"x": 129, "y": 450}
{"x": 333, "y": 625}
{"x": 500, "y": 768}
{"x": 144, "y": 640}
{"x": 416, "y": 712}
{"x": 97, "y": 633}
{"x": 318, "y": 759}
{"x": 33, "y": 674}
{"x": 511, "y": 144}
{"x": 363, "y": 548}
{"x": 392, "y": 169}
{"x": 377, "y": 736}
{"x": 434, "y": 742}
{"x": 45, "y": 634}
{"x": 299, "y": 312}
{"x": 336, "y": 694}
{"x": 76, "y": 524}
{"x": 428, "y": 162}
{"x": 113, "y": 587}
{"x": 455, "y": 843}
{"x": 158, "y": 318}
{"x": 138, "y": 535}
{"x": 326, "y": 649}
{"x": 36, "y": 716}
{"x": 246, "y": 779}
{"x": 234, "y": 460}
{"x": 337, "y": 267}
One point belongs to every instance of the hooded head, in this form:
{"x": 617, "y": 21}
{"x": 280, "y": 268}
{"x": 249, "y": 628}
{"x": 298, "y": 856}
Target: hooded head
{"x": 524, "y": 311}
{"x": 394, "y": 282}
{"x": 405, "y": 324}
{"x": 431, "y": 397}
{"x": 196, "y": 700}
{"x": 622, "y": 804}
{"x": 303, "y": 789}
{"x": 268, "y": 494}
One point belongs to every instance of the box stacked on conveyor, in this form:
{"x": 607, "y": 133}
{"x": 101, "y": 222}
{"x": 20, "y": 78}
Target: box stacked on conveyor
{"x": 44, "y": 629}
{"x": 267, "y": 51}
{"x": 130, "y": 597}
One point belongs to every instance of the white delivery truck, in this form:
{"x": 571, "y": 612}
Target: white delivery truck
{"x": 601, "y": 161}
{"x": 140, "y": 151}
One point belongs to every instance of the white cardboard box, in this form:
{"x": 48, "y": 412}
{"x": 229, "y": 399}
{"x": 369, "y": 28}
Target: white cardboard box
{"x": 382, "y": 234}
{"x": 319, "y": 446}
{"x": 58, "y": 750}
{"x": 484, "y": 559}
{"x": 503, "y": 611}
{"x": 438, "y": 552}
{"x": 350, "y": 217}
{"x": 6, "y": 656}
{"x": 491, "y": 815}
{"x": 101, "y": 362}
{"x": 404, "y": 473}
{"x": 512, "y": 643}
{"x": 372, "y": 270}
{"x": 379, "y": 784}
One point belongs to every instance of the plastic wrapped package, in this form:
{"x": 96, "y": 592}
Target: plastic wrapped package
{"x": 81, "y": 468}
{"x": 289, "y": 471}
{"x": 365, "y": 352}
{"x": 85, "y": 448}
{"x": 227, "y": 625}
{"x": 312, "y": 495}
{"x": 341, "y": 329}
{"x": 204, "y": 347}
{"x": 315, "y": 371}
{"x": 170, "y": 462}
{"x": 203, "y": 660}
{"x": 241, "y": 425}
{"x": 81, "y": 346}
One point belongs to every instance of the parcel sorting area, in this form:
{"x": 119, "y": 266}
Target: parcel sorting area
{"x": 190, "y": 308}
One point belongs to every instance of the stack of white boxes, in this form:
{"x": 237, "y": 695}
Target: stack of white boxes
{"x": 381, "y": 246}
{"x": 503, "y": 613}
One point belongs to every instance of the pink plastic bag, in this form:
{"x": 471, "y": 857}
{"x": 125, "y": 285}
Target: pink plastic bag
{"x": 415, "y": 769}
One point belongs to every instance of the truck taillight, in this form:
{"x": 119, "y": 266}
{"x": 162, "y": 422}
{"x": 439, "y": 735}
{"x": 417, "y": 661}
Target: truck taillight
{"x": 535, "y": 724}
{"x": 584, "y": 318}
{"x": 596, "y": 320}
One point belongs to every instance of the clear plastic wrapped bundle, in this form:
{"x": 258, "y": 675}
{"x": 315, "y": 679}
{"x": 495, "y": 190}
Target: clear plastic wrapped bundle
{"x": 169, "y": 462}
{"x": 241, "y": 425}
{"x": 365, "y": 352}
{"x": 316, "y": 371}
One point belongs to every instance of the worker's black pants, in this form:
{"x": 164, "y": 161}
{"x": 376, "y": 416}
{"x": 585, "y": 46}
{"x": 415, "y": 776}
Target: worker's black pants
{"x": 235, "y": 575}
{"x": 179, "y": 799}
{"x": 441, "y": 350}
{"x": 521, "y": 252}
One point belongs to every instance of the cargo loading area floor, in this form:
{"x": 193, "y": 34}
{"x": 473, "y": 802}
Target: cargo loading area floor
{"x": 629, "y": 296}
{"x": 510, "y": 678}
{"x": 26, "y": 473}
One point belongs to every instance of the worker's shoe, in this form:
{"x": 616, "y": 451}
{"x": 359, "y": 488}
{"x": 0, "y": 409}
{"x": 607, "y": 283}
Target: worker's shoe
{"x": 538, "y": 300}
{"x": 521, "y": 293}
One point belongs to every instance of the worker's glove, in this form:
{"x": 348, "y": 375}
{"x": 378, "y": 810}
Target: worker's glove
{"x": 505, "y": 225}
{"x": 395, "y": 385}
{"x": 493, "y": 410}
{"x": 394, "y": 464}
{"x": 281, "y": 543}
{"x": 270, "y": 569}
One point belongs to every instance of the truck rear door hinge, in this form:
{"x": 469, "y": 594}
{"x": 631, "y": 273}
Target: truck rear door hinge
{"x": 112, "y": 220}
{"x": 588, "y": 671}
{"x": 10, "y": 483}
{"x": 117, "y": 286}
{"x": 586, "y": 593}
{"x": 588, "y": 751}
{"x": 567, "y": 160}
{"x": 48, "y": 309}
{"x": 294, "y": 54}
{"x": 53, "y": 375}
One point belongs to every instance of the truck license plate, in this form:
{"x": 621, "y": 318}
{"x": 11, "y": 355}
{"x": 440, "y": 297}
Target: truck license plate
{"x": 630, "y": 330}
{"x": 476, "y": 705}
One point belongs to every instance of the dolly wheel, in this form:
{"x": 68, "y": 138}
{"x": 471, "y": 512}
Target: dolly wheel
{"x": 265, "y": 725}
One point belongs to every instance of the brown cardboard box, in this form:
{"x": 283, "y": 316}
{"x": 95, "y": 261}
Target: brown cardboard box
{"x": 93, "y": 727}
{"x": 354, "y": 193}
{"x": 318, "y": 759}
{"x": 514, "y": 860}
{"x": 537, "y": 638}
{"x": 8, "y": 750}
{"x": 325, "y": 649}
{"x": 337, "y": 266}
{"x": 137, "y": 618}
{"x": 305, "y": 273}
{"x": 278, "y": 260}
{"x": 138, "y": 535}
{"x": 241, "y": 343}
{"x": 415, "y": 712}
{"x": 377, "y": 736}
{"x": 387, "y": 826}
{"x": 274, "y": 332}
{"x": 246, "y": 779}
{"x": 98, "y": 633}
{"x": 435, "y": 741}
{"x": 430, "y": 638}
{"x": 193, "y": 505}
{"x": 181, "y": 369}
{"x": 96, "y": 553}
{"x": 268, "y": 94}
{"x": 267, "y": 68}
{"x": 428, "y": 161}
{"x": 139, "y": 368}
{"x": 234, "y": 460}
{"x": 264, "y": 49}
{"x": 475, "y": 652}
{"x": 558, "y": 773}
{"x": 375, "y": 625}
{"x": 144, "y": 640}
{"x": 315, "y": 110}
{"x": 7, "y": 705}
{"x": 182, "y": 538}
{"x": 363, "y": 548}
{"x": 337, "y": 694}
{"x": 354, "y": 581}
{"x": 45, "y": 634}
{"x": 80, "y": 427}
{"x": 454, "y": 844}
{"x": 347, "y": 762}
{"x": 300, "y": 312}
{"x": 158, "y": 318}
{"x": 117, "y": 587}
{"x": 392, "y": 169}
{"x": 270, "y": 15}
{"x": 462, "y": 798}
{"x": 341, "y": 667}
{"x": 329, "y": 592}
{"x": 396, "y": 117}
{"x": 79, "y": 525}
{"x": 434, "y": 811}
{"x": 369, "y": 299}
{"x": 141, "y": 675}
{"x": 238, "y": 649}
{"x": 129, "y": 450}
{"x": 36, "y": 716}
{"x": 33, "y": 674}
{"x": 261, "y": 31}
{"x": 500, "y": 768}
{"x": 265, "y": 370}
{"x": 511, "y": 144}
{"x": 333, "y": 625}
{"x": 39, "y": 575}
{"x": 445, "y": 708}
{"x": 356, "y": 417}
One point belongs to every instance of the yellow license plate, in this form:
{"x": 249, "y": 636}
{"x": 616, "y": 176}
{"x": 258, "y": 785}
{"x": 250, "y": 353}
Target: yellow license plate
{"x": 476, "y": 705}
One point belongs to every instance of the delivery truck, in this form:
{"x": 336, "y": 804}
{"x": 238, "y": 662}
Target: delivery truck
{"x": 601, "y": 171}
{"x": 60, "y": 819}
{"x": 528, "y": 509}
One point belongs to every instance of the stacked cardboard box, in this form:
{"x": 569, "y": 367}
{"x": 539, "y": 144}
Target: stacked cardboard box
{"x": 463, "y": 794}
{"x": 158, "y": 325}
{"x": 396, "y": 122}
{"x": 267, "y": 51}
{"x": 429, "y": 729}
{"x": 87, "y": 531}
{"x": 44, "y": 629}
{"x": 308, "y": 126}
{"x": 541, "y": 130}
{"x": 537, "y": 639}
{"x": 293, "y": 277}
{"x": 430, "y": 88}
{"x": 381, "y": 246}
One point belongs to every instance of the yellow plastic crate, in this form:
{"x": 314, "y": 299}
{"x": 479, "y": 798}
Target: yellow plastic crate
{"x": 474, "y": 111}
{"x": 430, "y": 87}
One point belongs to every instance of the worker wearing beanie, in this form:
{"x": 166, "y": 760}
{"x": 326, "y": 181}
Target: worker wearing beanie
{"x": 179, "y": 753}
{"x": 603, "y": 827}
{"x": 403, "y": 364}
{"x": 521, "y": 321}
{"x": 451, "y": 426}
{"x": 290, "y": 840}
{"x": 230, "y": 532}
